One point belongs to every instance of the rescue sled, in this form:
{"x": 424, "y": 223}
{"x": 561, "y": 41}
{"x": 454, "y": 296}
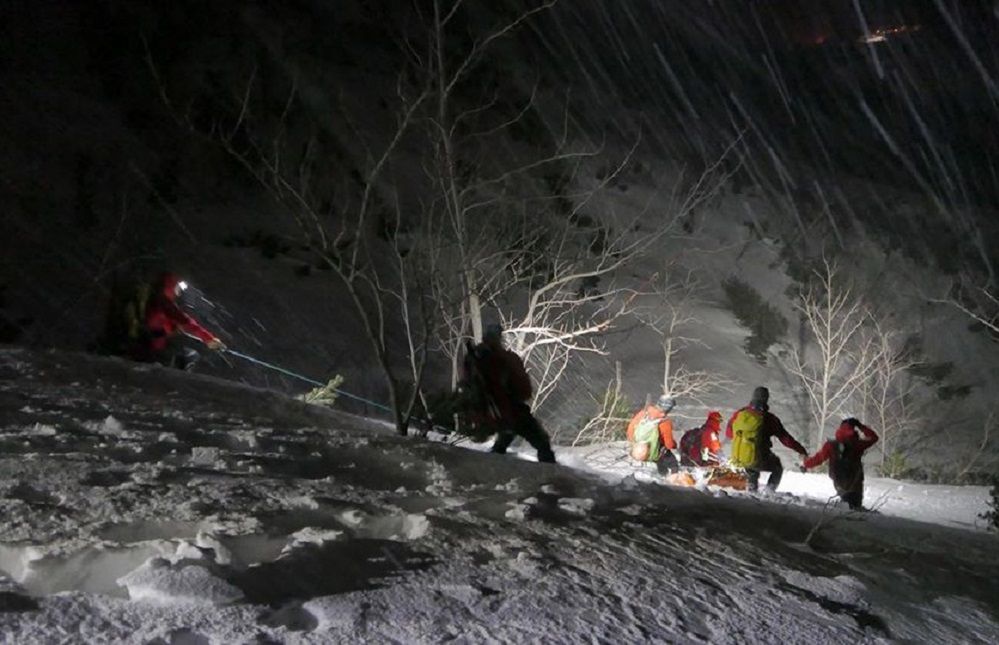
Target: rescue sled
{"x": 725, "y": 477}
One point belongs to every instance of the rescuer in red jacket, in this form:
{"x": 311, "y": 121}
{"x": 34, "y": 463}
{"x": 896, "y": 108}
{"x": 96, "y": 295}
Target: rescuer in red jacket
{"x": 164, "y": 323}
{"x": 772, "y": 428}
{"x": 701, "y": 446}
{"x": 844, "y": 455}
{"x": 509, "y": 388}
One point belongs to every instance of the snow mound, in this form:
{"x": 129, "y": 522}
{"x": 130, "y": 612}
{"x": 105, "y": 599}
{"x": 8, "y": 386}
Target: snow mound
{"x": 408, "y": 526}
{"x": 111, "y": 427}
{"x": 39, "y": 430}
{"x": 162, "y": 582}
{"x": 576, "y": 505}
{"x": 205, "y": 455}
{"x": 311, "y": 535}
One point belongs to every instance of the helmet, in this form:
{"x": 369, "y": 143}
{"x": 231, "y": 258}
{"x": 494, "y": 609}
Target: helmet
{"x": 171, "y": 286}
{"x": 761, "y": 395}
{"x": 666, "y": 403}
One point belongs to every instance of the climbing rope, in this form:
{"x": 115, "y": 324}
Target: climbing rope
{"x": 306, "y": 379}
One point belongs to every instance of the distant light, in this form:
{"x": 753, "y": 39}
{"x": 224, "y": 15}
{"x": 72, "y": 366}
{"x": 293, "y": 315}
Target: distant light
{"x": 881, "y": 35}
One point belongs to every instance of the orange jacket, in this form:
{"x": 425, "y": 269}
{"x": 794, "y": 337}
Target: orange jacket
{"x": 665, "y": 426}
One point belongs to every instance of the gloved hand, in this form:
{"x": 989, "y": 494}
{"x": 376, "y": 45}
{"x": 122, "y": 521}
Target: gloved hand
{"x": 802, "y": 468}
{"x": 216, "y": 345}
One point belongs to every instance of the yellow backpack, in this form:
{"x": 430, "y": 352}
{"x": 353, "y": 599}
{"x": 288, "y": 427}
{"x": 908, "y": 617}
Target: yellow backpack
{"x": 747, "y": 432}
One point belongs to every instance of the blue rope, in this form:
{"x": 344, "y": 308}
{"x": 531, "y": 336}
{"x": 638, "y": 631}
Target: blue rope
{"x": 271, "y": 366}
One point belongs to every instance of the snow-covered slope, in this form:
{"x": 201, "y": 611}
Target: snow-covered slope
{"x": 99, "y": 179}
{"x": 142, "y": 505}
{"x": 957, "y": 506}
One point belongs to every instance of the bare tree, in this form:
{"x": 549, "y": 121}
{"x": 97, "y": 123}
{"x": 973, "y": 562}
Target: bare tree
{"x": 568, "y": 298}
{"x": 610, "y": 418}
{"x": 888, "y": 395}
{"x": 837, "y": 363}
{"x": 975, "y": 301}
{"x": 459, "y": 133}
{"x": 987, "y": 427}
{"x": 668, "y": 311}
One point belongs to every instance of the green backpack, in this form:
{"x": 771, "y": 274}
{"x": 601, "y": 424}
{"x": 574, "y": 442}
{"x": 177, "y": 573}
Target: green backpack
{"x": 645, "y": 442}
{"x": 135, "y": 311}
{"x": 125, "y": 322}
{"x": 747, "y": 431}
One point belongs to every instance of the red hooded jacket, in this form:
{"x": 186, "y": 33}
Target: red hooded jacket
{"x": 843, "y": 455}
{"x": 164, "y": 317}
{"x": 703, "y": 441}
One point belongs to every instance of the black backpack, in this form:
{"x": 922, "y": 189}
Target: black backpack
{"x": 845, "y": 465}
{"x": 690, "y": 445}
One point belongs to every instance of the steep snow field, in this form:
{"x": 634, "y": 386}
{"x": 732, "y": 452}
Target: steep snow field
{"x": 146, "y": 505}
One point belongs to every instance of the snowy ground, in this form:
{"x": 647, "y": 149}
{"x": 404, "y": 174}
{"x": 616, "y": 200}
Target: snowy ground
{"x": 958, "y": 506}
{"x": 144, "y": 505}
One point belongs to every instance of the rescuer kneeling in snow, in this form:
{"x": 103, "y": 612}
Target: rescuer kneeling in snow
{"x": 844, "y": 455}
{"x": 162, "y": 319}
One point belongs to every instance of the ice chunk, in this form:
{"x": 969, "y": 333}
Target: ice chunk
{"x": 302, "y": 501}
{"x": 352, "y": 517}
{"x": 518, "y": 513}
{"x": 109, "y": 426}
{"x": 310, "y": 535}
{"x": 41, "y": 430}
{"x": 576, "y": 505}
{"x": 415, "y": 526}
{"x": 204, "y": 455}
{"x": 208, "y": 540}
{"x": 161, "y": 582}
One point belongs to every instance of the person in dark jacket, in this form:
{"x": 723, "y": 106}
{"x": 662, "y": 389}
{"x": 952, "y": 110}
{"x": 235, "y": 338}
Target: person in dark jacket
{"x": 772, "y": 428}
{"x": 844, "y": 454}
{"x": 165, "y": 324}
{"x": 509, "y": 388}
